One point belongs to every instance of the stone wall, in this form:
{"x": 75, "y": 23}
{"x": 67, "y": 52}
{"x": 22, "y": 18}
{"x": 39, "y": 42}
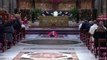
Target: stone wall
{"x": 86, "y": 4}
{"x": 25, "y": 4}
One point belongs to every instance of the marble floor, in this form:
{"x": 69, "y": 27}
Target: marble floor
{"x": 81, "y": 50}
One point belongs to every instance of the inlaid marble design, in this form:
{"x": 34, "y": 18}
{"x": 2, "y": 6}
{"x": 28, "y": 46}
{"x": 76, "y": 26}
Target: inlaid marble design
{"x": 80, "y": 50}
{"x": 44, "y": 55}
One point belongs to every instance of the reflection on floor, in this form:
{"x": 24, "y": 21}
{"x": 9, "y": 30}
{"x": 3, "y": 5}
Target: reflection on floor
{"x": 82, "y": 52}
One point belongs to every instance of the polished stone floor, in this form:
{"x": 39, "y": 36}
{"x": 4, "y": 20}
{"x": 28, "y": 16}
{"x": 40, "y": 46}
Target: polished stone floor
{"x": 81, "y": 50}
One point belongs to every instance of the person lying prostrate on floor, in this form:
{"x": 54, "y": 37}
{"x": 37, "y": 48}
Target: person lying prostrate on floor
{"x": 53, "y": 34}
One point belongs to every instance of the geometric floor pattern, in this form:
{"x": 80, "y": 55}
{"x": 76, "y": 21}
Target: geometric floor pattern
{"x": 46, "y": 56}
{"x": 78, "y": 50}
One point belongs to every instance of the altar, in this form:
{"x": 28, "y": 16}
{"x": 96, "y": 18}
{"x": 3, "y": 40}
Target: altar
{"x": 53, "y": 21}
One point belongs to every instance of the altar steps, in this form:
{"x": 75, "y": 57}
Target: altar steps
{"x": 72, "y": 31}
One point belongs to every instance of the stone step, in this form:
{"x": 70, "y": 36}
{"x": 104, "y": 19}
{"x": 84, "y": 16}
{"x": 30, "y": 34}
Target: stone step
{"x": 59, "y": 31}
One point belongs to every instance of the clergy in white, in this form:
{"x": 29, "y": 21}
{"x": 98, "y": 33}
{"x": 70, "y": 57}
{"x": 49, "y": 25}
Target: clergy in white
{"x": 93, "y": 27}
{"x": 91, "y": 31}
{"x": 55, "y": 13}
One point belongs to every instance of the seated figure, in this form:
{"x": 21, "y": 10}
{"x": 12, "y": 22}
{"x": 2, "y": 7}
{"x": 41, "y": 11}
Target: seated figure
{"x": 53, "y": 34}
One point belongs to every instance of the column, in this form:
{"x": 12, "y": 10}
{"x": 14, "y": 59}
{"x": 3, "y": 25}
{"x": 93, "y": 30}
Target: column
{"x": 78, "y": 7}
{"x": 1, "y": 4}
{"x": 78, "y": 3}
{"x": 33, "y": 3}
{"x": 10, "y": 4}
{"x": 105, "y": 7}
{"x": 13, "y": 5}
{"x": 94, "y": 10}
{"x": 6, "y": 5}
{"x": 99, "y": 7}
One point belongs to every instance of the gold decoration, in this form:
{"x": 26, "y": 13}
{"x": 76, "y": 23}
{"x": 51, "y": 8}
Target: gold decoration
{"x": 50, "y": 21}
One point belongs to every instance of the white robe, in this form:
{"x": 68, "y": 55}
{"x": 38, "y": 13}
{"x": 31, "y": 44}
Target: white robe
{"x": 91, "y": 31}
{"x": 80, "y": 25}
{"x": 93, "y": 28}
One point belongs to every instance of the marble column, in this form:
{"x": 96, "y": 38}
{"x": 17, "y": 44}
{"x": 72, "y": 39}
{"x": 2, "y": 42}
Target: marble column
{"x": 1, "y": 4}
{"x": 105, "y": 7}
{"x": 12, "y": 6}
{"x": 98, "y": 6}
{"x": 8, "y": 5}
{"x": 5, "y": 5}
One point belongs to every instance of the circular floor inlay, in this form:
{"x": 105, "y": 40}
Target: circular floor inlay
{"x": 50, "y": 42}
{"x": 46, "y": 56}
